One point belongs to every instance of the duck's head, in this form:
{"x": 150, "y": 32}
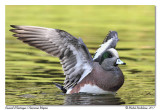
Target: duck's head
{"x": 110, "y": 59}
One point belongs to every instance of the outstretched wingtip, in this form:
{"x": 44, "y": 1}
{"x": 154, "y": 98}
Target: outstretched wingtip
{"x": 111, "y": 34}
{"x": 14, "y": 26}
{"x": 12, "y": 30}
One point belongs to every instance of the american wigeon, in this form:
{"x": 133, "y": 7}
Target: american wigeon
{"x": 98, "y": 75}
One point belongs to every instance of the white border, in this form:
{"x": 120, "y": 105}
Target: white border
{"x": 81, "y": 2}
{"x": 2, "y": 54}
{"x": 76, "y": 2}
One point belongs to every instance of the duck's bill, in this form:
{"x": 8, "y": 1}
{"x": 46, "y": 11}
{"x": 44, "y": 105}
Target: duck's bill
{"x": 119, "y": 62}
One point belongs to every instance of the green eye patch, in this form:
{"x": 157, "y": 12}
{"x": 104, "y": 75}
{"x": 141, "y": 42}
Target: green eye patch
{"x": 104, "y": 56}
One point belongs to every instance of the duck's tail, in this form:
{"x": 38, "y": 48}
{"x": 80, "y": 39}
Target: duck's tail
{"x": 60, "y": 87}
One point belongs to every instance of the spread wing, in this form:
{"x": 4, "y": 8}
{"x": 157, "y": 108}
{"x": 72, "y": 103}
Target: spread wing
{"x": 72, "y": 52}
{"x": 109, "y": 42}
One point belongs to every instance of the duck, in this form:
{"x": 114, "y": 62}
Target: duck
{"x": 83, "y": 74}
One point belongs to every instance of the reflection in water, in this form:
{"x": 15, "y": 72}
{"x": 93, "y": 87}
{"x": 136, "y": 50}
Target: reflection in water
{"x": 90, "y": 99}
{"x": 134, "y": 71}
{"x": 46, "y": 61}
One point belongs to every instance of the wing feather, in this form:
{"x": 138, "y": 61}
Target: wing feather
{"x": 72, "y": 52}
{"x": 109, "y": 42}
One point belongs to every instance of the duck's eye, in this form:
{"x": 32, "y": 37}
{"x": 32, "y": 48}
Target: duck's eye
{"x": 110, "y": 56}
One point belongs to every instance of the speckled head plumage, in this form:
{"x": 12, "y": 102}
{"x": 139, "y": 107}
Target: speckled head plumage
{"x": 110, "y": 59}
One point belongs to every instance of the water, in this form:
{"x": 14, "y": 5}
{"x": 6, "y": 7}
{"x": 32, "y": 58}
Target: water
{"x": 30, "y": 72}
